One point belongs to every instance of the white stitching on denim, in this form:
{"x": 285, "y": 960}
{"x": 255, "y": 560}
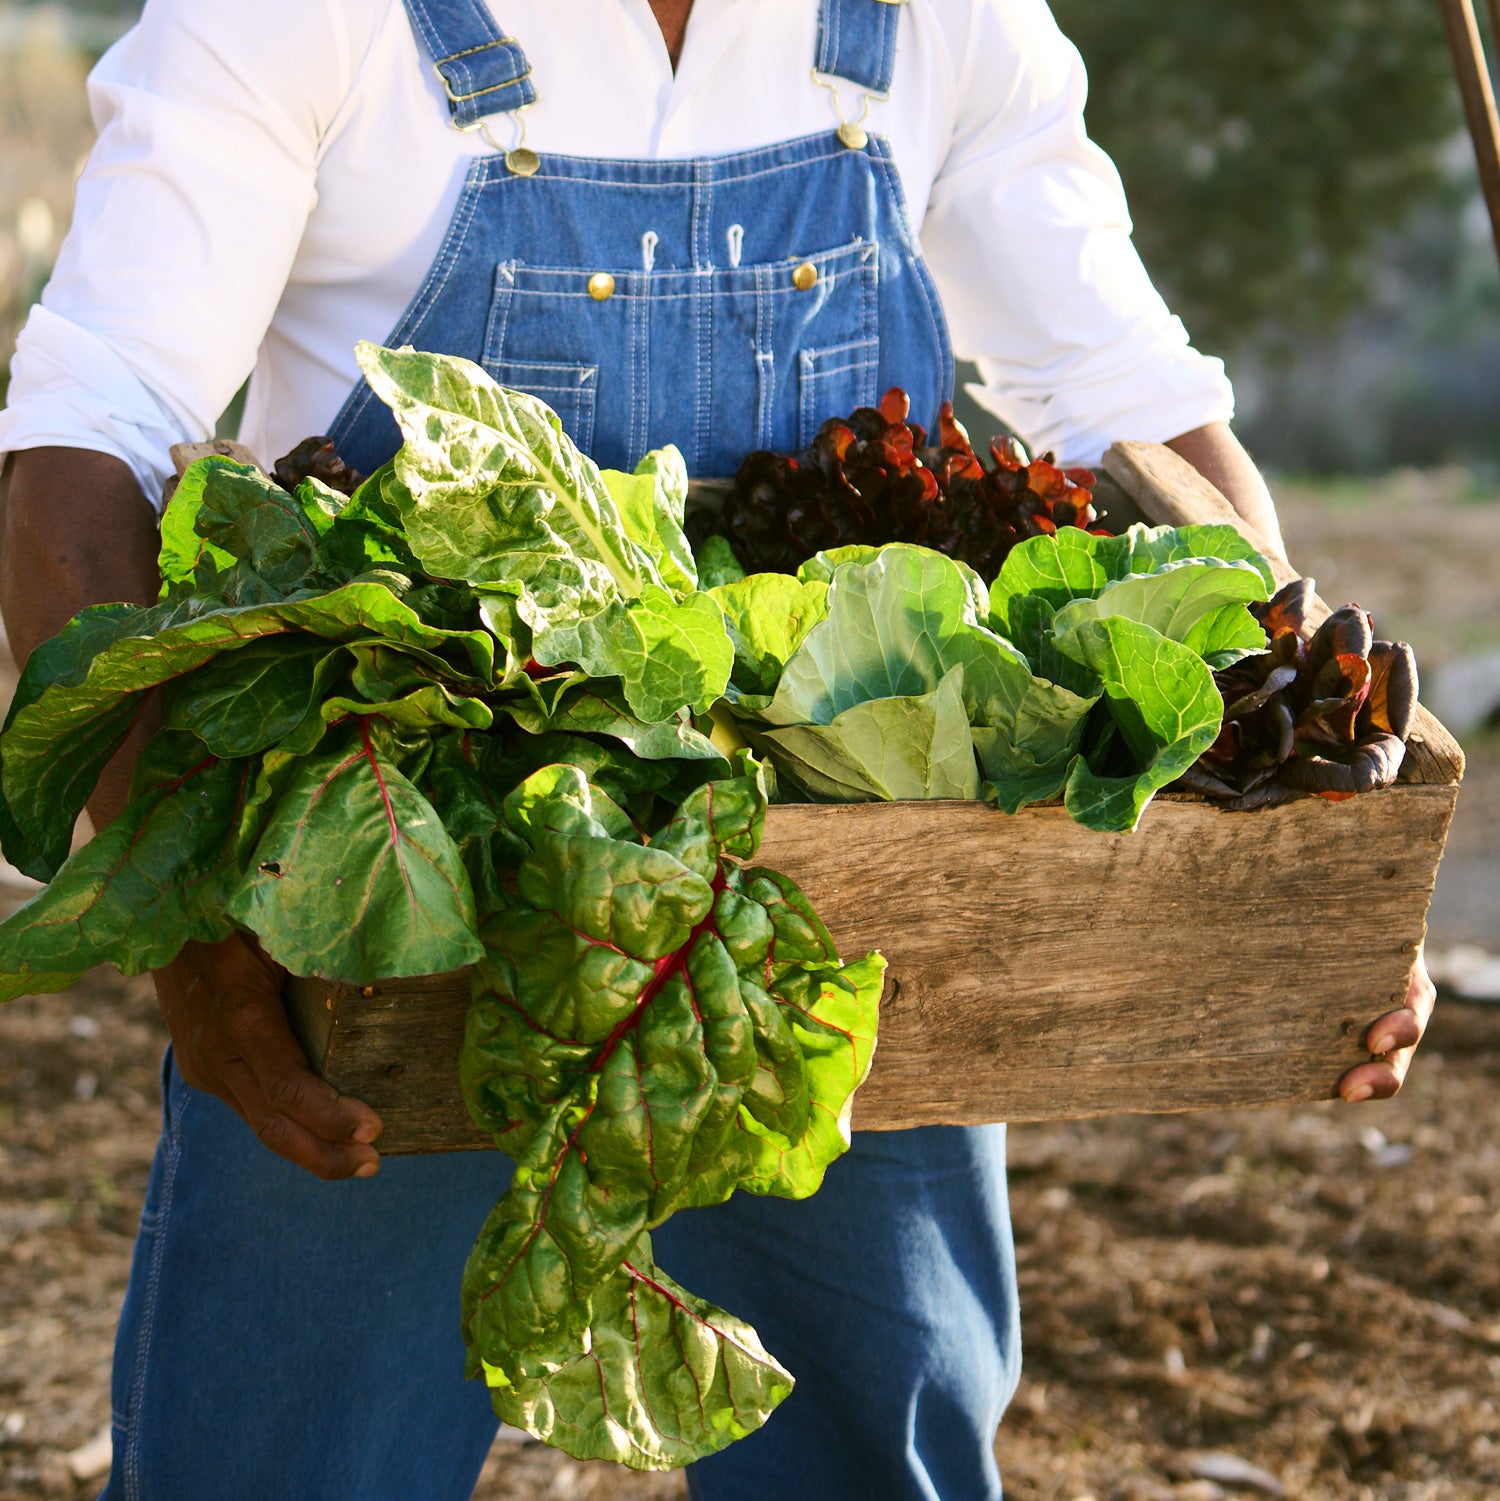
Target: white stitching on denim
{"x": 649, "y": 241}
{"x": 736, "y": 239}
{"x": 704, "y": 370}
{"x": 172, "y": 1140}
{"x": 863, "y": 356}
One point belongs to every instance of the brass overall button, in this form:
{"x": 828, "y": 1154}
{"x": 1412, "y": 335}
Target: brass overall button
{"x": 601, "y": 286}
{"x": 805, "y": 277}
{"x": 522, "y": 162}
{"x": 853, "y": 136}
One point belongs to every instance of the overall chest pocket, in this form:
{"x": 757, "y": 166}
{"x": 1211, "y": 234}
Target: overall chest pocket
{"x": 812, "y": 323}
{"x": 542, "y": 337}
{"x": 718, "y": 360}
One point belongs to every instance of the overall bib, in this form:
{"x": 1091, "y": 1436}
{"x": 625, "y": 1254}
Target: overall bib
{"x": 285, "y": 1339}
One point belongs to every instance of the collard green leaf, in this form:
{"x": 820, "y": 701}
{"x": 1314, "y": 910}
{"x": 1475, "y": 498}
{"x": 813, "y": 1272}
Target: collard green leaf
{"x": 1025, "y": 754}
{"x": 1152, "y": 547}
{"x": 1164, "y": 706}
{"x": 354, "y": 877}
{"x": 156, "y": 877}
{"x": 1176, "y": 600}
{"x": 895, "y": 627}
{"x": 911, "y": 746}
{"x": 1074, "y": 564}
{"x": 768, "y": 616}
{"x": 667, "y": 1379}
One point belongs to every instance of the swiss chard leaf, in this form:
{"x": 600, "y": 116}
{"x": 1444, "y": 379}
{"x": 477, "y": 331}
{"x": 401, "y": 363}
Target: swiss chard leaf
{"x": 59, "y": 739}
{"x": 651, "y": 1029}
{"x": 493, "y": 491}
{"x": 651, "y": 503}
{"x": 354, "y": 875}
{"x": 156, "y": 877}
{"x": 667, "y": 1378}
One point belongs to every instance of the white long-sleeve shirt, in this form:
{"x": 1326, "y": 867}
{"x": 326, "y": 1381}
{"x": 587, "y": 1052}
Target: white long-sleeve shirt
{"x": 273, "y": 179}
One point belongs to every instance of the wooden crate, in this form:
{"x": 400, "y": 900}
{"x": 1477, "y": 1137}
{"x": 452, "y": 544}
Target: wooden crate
{"x": 1038, "y": 970}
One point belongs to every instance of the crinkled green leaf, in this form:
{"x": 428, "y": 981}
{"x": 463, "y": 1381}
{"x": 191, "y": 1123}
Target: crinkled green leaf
{"x": 354, "y": 877}
{"x": 255, "y": 696}
{"x": 650, "y": 1030}
{"x": 667, "y": 1378}
{"x": 911, "y": 746}
{"x": 1025, "y": 754}
{"x": 246, "y": 514}
{"x": 1152, "y": 547}
{"x": 651, "y": 503}
{"x": 819, "y": 569}
{"x": 495, "y": 491}
{"x": 426, "y": 708}
{"x": 768, "y": 616}
{"x": 1074, "y": 564}
{"x": 667, "y": 653}
{"x": 368, "y": 531}
{"x": 588, "y": 708}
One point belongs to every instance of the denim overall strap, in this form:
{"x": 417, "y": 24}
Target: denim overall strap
{"x": 483, "y": 71}
{"x": 857, "y": 41}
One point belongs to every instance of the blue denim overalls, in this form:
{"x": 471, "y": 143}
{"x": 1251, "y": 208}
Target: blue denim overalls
{"x": 287, "y": 1338}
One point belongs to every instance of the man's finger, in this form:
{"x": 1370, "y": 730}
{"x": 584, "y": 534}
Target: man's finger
{"x": 1394, "y": 1031}
{"x": 288, "y": 1138}
{"x": 263, "y": 1037}
{"x": 1373, "y": 1081}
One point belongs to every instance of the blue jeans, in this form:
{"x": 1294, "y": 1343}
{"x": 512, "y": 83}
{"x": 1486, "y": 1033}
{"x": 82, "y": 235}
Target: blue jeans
{"x": 285, "y": 1339}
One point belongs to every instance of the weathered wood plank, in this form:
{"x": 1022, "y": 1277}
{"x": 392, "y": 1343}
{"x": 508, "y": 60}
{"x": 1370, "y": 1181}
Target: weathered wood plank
{"x": 1037, "y": 970}
{"x": 1170, "y": 492}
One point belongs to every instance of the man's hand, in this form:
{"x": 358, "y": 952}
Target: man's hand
{"x": 1393, "y": 1039}
{"x": 230, "y": 1036}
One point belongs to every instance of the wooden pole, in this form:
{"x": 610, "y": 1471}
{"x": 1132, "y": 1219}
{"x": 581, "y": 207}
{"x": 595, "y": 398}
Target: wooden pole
{"x": 1464, "y": 41}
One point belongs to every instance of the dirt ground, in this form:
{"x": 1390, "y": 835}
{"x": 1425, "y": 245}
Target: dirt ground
{"x": 1215, "y": 1305}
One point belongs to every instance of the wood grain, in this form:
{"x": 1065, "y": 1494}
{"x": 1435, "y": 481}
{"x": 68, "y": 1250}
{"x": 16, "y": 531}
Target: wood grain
{"x": 1037, "y": 970}
{"x": 1170, "y": 492}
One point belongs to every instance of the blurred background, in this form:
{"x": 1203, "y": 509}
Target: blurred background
{"x": 1299, "y": 1302}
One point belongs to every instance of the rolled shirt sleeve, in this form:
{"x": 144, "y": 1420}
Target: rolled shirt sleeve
{"x": 188, "y": 218}
{"x": 1028, "y": 236}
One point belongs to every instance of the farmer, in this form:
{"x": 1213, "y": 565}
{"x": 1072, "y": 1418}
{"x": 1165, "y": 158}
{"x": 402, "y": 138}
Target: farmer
{"x": 703, "y": 234}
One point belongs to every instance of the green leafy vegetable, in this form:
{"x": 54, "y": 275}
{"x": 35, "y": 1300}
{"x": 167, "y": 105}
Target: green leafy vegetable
{"x": 653, "y": 1027}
